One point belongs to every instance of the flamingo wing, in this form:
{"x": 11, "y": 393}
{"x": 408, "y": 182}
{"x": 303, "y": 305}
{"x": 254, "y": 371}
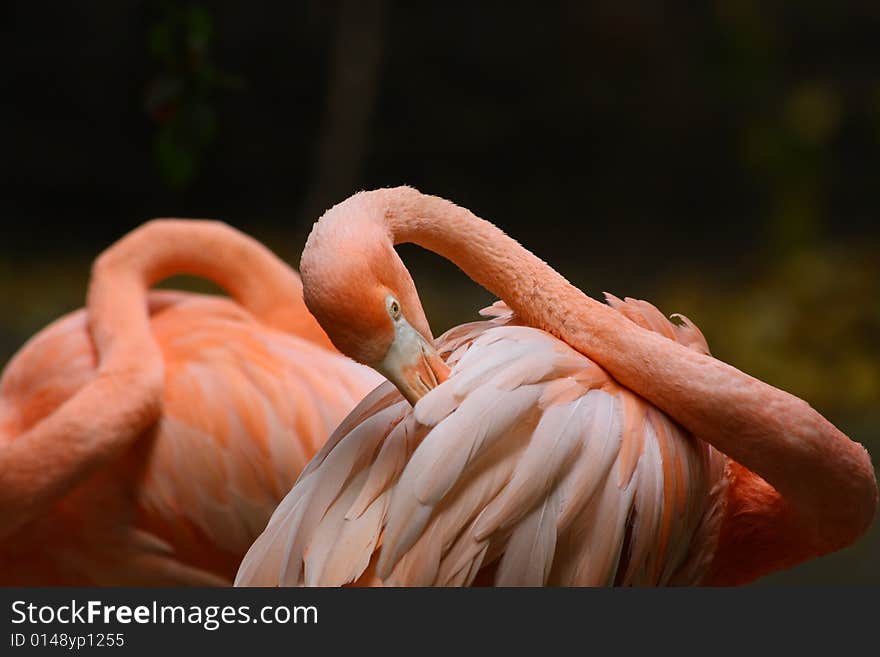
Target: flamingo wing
{"x": 754, "y": 531}
{"x": 529, "y": 463}
{"x": 53, "y": 365}
{"x": 245, "y": 409}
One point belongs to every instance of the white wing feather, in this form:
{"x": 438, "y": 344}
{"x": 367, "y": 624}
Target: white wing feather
{"x": 529, "y": 460}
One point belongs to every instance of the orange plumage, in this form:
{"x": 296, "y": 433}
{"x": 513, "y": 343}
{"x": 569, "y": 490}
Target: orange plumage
{"x": 164, "y": 481}
{"x": 565, "y": 442}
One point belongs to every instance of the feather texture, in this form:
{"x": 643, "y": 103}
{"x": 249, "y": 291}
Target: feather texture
{"x": 529, "y": 460}
{"x": 244, "y": 408}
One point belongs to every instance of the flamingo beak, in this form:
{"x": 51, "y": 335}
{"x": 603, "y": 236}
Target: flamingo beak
{"x": 412, "y": 363}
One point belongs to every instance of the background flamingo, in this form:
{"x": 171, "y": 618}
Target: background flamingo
{"x": 147, "y": 438}
{"x": 559, "y": 449}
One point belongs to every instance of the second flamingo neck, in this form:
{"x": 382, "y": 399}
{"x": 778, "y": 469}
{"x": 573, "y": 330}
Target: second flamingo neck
{"x": 539, "y": 295}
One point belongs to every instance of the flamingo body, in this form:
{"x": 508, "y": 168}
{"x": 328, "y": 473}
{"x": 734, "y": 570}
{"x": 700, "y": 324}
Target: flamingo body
{"x": 529, "y": 466}
{"x": 564, "y": 442}
{"x": 243, "y": 407}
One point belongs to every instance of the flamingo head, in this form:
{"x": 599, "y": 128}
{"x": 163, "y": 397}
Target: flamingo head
{"x": 359, "y": 290}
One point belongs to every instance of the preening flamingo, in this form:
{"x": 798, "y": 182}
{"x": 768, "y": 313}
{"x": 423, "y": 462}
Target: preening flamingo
{"x": 562, "y": 442}
{"x": 147, "y": 438}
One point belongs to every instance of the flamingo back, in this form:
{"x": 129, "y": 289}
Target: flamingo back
{"x": 529, "y": 466}
{"x": 244, "y": 409}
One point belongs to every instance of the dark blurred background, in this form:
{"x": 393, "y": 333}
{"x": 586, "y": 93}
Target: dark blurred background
{"x": 721, "y": 161}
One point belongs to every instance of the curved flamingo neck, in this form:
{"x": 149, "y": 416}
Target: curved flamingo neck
{"x": 542, "y": 297}
{"x": 828, "y": 479}
{"x": 251, "y": 273}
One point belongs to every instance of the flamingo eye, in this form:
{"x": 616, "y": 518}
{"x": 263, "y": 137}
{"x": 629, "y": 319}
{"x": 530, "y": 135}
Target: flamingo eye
{"x": 394, "y": 309}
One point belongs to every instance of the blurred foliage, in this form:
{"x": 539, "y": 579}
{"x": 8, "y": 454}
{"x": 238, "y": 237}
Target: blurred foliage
{"x": 788, "y": 123}
{"x": 33, "y": 294}
{"x": 180, "y": 97}
{"x": 807, "y": 322}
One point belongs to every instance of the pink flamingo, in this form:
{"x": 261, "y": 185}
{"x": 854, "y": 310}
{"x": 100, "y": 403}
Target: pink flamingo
{"x": 147, "y": 438}
{"x": 562, "y": 442}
